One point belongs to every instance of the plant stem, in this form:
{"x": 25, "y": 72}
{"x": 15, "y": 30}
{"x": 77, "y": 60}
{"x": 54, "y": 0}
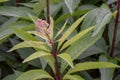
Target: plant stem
{"x": 115, "y": 30}
{"x": 17, "y": 3}
{"x": 51, "y": 42}
{"x": 57, "y": 75}
{"x": 48, "y": 17}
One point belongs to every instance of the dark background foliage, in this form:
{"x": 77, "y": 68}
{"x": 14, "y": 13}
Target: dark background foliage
{"x": 13, "y": 14}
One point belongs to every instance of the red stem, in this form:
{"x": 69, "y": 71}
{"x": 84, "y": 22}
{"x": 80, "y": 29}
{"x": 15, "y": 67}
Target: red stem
{"x": 17, "y": 3}
{"x": 48, "y": 17}
{"x": 48, "y": 20}
{"x": 57, "y": 75}
{"x": 115, "y": 30}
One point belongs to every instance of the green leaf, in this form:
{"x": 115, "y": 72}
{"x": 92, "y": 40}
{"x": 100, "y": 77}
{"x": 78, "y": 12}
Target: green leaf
{"x": 25, "y": 52}
{"x": 5, "y": 30}
{"x": 33, "y": 18}
{"x": 2, "y": 40}
{"x": 36, "y": 55}
{"x": 34, "y": 44}
{"x": 91, "y": 65}
{"x": 86, "y": 75}
{"x": 39, "y": 7}
{"x": 10, "y": 77}
{"x": 76, "y": 49}
{"x": 5, "y": 34}
{"x": 50, "y": 60}
{"x": 54, "y": 9}
{"x": 71, "y": 29}
{"x": 15, "y": 11}
{"x": 86, "y": 41}
{"x": 67, "y": 15}
{"x": 52, "y": 27}
{"x": 72, "y": 77}
{"x": 67, "y": 58}
{"x": 60, "y": 31}
{"x": 107, "y": 74}
{"x": 76, "y": 37}
{"x": 90, "y": 19}
{"x": 91, "y": 1}
{"x": 114, "y": 13}
{"x": 98, "y": 48}
{"x": 28, "y": 4}
{"x": 3, "y": 1}
{"x": 71, "y": 4}
{"x": 23, "y": 35}
{"x": 87, "y": 7}
{"x": 37, "y": 34}
{"x": 117, "y": 78}
{"x": 104, "y": 16}
{"x": 34, "y": 75}
{"x": 99, "y": 17}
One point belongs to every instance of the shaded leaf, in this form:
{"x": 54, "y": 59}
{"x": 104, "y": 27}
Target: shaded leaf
{"x": 67, "y": 15}
{"x": 98, "y": 48}
{"x": 117, "y": 78}
{"x": 71, "y": 4}
{"x": 25, "y": 52}
{"x": 54, "y": 9}
{"x": 39, "y": 7}
{"x": 86, "y": 75}
{"x": 10, "y": 77}
{"x": 50, "y": 60}
{"x": 5, "y": 34}
{"x": 104, "y": 16}
{"x": 31, "y": 5}
{"x": 33, "y": 18}
{"x": 15, "y": 11}
{"x": 107, "y": 74}
{"x": 5, "y": 29}
{"x": 72, "y": 77}
{"x": 87, "y": 7}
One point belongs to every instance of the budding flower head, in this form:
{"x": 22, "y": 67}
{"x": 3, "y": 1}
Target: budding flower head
{"x": 42, "y": 26}
{"x": 44, "y": 30}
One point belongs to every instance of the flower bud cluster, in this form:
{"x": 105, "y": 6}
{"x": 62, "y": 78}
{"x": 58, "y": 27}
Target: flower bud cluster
{"x": 43, "y": 27}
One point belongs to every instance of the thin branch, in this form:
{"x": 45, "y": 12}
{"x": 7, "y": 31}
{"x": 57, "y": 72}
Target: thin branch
{"x": 17, "y": 3}
{"x": 55, "y": 53}
{"x": 48, "y": 17}
{"x": 115, "y": 30}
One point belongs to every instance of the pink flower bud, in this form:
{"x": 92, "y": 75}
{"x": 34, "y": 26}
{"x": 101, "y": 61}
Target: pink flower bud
{"x": 41, "y": 25}
{"x": 44, "y": 30}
